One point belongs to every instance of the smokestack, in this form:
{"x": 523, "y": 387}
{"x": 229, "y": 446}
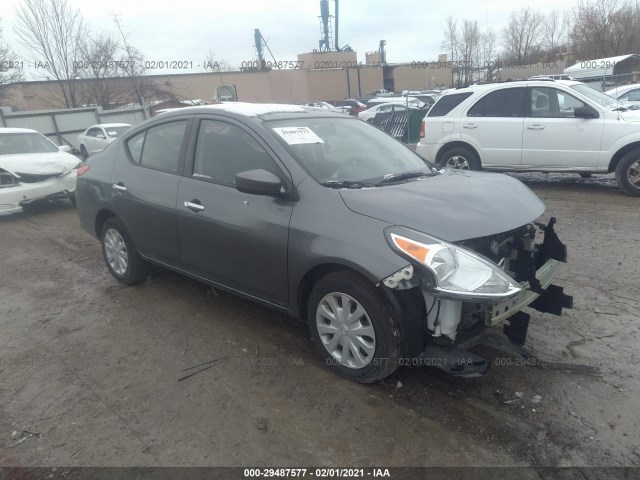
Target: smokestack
{"x": 337, "y": 15}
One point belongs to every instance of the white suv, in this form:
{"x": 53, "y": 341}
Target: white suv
{"x": 538, "y": 125}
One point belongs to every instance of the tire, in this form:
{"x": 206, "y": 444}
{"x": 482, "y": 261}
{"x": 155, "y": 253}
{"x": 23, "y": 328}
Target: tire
{"x": 628, "y": 173}
{"x": 83, "y": 152}
{"x": 378, "y": 327}
{"x": 461, "y": 158}
{"x": 121, "y": 257}
{"x": 72, "y": 198}
{"x": 585, "y": 175}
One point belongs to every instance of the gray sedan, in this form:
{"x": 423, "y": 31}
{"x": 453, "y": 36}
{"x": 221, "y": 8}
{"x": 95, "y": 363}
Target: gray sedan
{"x": 390, "y": 260}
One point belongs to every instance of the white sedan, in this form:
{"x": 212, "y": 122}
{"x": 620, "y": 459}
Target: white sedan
{"x": 628, "y": 94}
{"x": 369, "y": 114}
{"x": 32, "y": 168}
{"x": 96, "y": 138}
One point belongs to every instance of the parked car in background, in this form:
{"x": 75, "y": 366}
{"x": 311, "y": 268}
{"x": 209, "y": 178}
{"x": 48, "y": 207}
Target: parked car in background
{"x": 96, "y": 138}
{"x": 369, "y": 114}
{"x": 33, "y": 168}
{"x": 355, "y": 106}
{"x": 416, "y": 102}
{"x": 326, "y": 106}
{"x": 330, "y": 220}
{"x": 537, "y": 125}
{"x": 628, "y": 94}
{"x": 427, "y": 99}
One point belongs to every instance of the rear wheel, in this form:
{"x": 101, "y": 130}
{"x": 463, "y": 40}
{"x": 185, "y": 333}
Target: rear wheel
{"x": 628, "y": 173}
{"x": 121, "y": 257}
{"x": 461, "y": 158}
{"x": 353, "y": 327}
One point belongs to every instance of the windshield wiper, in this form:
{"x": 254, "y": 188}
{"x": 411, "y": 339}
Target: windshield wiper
{"x": 346, "y": 184}
{"x": 396, "y": 177}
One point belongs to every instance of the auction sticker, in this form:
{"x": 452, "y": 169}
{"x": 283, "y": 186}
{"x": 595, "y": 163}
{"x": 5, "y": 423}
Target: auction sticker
{"x": 298, "y": 135}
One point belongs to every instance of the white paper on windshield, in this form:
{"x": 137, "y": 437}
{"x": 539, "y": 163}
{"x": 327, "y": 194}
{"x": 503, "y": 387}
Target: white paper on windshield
{"x": 298, "y": 135}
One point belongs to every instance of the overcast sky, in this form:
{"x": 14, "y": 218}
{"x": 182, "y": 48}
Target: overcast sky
{"x": 187, "y": 29}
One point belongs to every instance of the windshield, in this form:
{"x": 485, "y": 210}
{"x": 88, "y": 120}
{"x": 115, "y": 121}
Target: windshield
{"x": 598, "y": 97}
{"x": 16, "y": 143}
{"x": 114, "y": 132}
{"x": 334, "y": 150}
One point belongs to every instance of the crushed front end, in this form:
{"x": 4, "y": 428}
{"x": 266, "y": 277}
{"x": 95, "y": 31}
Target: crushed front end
{"x": 18, "y": 189}
{"x": 456, "y": 294}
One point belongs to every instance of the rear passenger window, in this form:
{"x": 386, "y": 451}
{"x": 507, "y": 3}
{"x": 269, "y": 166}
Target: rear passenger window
{"x": 134, "y": 144}
{"x": 159, "y": 147}
{"x": 508, "y": 102}
{"x": 223, "y": 150}
{"x": 447, "y": 103}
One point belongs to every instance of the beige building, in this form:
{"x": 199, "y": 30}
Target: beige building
{"x": 346, "y": 80}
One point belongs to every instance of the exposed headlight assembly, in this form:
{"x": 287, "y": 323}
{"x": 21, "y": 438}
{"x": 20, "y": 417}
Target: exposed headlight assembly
{"x": 458, "y": 273}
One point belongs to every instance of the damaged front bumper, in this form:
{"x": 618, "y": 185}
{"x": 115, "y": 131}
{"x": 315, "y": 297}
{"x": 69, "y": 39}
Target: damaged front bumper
{"x": 447, "y": 327}
{"x": 14, "y": 195}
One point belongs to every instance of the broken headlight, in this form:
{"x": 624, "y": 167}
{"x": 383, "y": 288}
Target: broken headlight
{"x": 459, "y": 273}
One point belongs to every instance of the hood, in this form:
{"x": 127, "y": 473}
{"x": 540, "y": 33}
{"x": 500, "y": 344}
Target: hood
{"x": 54, "y": 163}
{"x": 453, "y": 206}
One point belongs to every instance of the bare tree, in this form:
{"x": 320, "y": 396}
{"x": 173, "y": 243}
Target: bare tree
{"x": 605, "y": 28}
{"x": 450, "y": 42}
{"x": 51, "y": 32}
{"x": 521, "y": 38}
{"x": 488, "y": 41}
{"x": 468, "y": 47}
{"x": 100, "y": 68}
{"x": 10, "y": 68}
{"x": 139, "y": 86}
{"x": 555, "y": 30}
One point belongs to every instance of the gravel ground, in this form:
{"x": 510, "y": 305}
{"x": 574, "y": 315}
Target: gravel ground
{"x": 96, "y": 374}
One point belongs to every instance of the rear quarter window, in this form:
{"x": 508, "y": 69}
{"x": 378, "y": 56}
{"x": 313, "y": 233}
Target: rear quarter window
{"x": 447, "y": 103}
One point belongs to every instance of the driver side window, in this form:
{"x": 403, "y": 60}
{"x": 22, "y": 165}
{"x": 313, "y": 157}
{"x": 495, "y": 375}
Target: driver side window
{"x": 224, "y": 150}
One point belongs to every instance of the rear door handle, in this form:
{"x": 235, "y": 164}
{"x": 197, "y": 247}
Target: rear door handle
{"x": 470, "y": 125}
{"x": 119, "y": 186}
{"x": 535, "y": 126}
{"x": 194, "y": 205}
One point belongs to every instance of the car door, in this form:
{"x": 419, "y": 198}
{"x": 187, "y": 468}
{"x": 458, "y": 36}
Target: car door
{"x": 145, "y": 184}
{"x": 101, "y": 139}
{"x": 553, "y": 137}
{"x": 494, "y": 125}
{"x": 234, "y": 239}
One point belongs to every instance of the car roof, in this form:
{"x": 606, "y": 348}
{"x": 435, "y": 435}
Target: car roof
{"x": 110, "y": 125}
{"x": 274, "y": 111}
{"x": 516, "y": 83}
{"x": 17, "y": 130}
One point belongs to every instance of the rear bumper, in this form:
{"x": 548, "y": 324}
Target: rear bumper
{"x": 13, "y": 198}
{"x": 426, "y": 151}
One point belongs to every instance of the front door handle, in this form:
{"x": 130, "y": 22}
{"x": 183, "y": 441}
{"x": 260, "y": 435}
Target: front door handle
{"x": 119, "y": 187}
{"x": 536, "y": 126}
{"x": 470, "y": 125}
{"x": 194, "y": 206}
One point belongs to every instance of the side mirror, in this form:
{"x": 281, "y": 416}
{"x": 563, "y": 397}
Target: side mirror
{"x": 65, "y": 149}
{"x": 258, "y": 182}
{"x": 585, "y": 112}
{"x": 100, "y": 136}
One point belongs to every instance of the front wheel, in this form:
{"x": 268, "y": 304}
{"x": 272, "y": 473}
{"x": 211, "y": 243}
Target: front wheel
{"x": 353, "y": 327}
{"x": 628, "y": 173}
{"x": 83, "y": 152}
{"x": 121, "y": 257}
{"x": 461, "y": 158}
